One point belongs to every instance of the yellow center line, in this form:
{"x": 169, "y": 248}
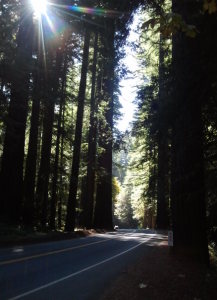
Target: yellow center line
{"x": 7, "y": 262}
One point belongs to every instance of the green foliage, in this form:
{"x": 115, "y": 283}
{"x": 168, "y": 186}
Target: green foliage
{"x": 170, "y": 24}
{"x": 123, "y": 212}
{"x": 115, "y": 189}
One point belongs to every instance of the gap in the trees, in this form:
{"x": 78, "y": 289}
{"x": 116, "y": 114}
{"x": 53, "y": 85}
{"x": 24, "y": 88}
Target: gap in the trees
{"x": 128, "y": 84}
{"x": 124, "y": 216}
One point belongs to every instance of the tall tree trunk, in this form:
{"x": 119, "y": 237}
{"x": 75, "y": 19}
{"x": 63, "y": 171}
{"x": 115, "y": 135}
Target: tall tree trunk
{"x": 71, "y": 206}
{"x": 61, "y": 191}
{"x": 11, "y": 177}
{"x": 44, "y": 169}
{"x": 152, "y": 184}
{"x": 91, "y": 156}
{"x": 30, "y": 171}
{"x": 56, "y": 161}
{"x": 188, "y": 191}
{"x": 162, "y": 221}
{"x": 103, "y": 207}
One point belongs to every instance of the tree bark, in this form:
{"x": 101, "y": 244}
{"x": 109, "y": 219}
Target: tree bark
{"x": 61, "y": 191}
{"x": 11, "y": 176}
{"x": 103, "y": 207}
{"x": 91, "y": 156}
{"x": 71, "y": 206}
{"x": 188, "y": 190}
{"x": 162, "y": 221}
{"x": 44, "y": 169}
{"x": 56, "y": 161}
{"x": 30, "y": 171}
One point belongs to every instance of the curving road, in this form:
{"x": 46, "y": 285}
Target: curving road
{"x": 78, "y": 269}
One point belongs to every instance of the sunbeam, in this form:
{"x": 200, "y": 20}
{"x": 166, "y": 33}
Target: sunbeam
{"x": 50, "y": 24}
{"x": 42, "y": 43}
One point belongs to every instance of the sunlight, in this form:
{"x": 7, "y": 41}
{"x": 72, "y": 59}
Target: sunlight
{"x": 41, "y": 15}
{"x": 128, "y": 85}
{"x": 39, "y": 7}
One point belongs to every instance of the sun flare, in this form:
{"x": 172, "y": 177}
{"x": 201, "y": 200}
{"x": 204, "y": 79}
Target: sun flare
{"x": 39, "y": 7}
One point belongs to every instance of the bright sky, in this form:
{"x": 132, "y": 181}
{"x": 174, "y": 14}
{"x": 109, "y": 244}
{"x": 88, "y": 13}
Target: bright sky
{"x": 128, "y": 85}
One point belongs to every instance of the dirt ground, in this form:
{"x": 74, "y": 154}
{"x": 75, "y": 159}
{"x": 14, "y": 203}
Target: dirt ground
{"x": 161, "y": 275}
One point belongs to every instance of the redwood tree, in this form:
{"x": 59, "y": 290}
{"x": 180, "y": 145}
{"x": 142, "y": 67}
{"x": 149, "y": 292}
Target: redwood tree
{"x": 103, "y": 206}
{"x": 91, "y": 156}
{"x": 71, "y": 206}
{"x": 188, "y": 186}
{"x": 11, "y": 176}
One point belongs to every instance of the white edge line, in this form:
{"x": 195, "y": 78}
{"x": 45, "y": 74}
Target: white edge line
{"x": 78, "y": 272}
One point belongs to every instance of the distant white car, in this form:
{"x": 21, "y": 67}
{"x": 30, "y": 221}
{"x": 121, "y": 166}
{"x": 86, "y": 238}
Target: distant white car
{"x": 116, "y": 227}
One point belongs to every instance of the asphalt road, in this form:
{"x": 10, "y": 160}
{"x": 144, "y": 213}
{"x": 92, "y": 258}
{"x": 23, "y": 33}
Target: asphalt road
{"x": 78, "y": 269}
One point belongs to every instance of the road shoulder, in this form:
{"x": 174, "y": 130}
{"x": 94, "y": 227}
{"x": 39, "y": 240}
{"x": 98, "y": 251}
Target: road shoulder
{"x": 160, "y": 275}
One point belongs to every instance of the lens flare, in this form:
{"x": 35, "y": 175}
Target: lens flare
{"x": 94, "y": 11}
{"x": 39, "y": 7}
{"x": 101, "y": 12}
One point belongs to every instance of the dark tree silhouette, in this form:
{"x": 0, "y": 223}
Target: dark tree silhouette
{"x": 188, "y": 185}
{"x": 30, "y": 170}
{"x": 57, "y": 150}
{"x": 103, "y": 206}
{"x": 51, "y": 88}
{"x": 71, "y": 206}
{"x": 11, "y": 176}
{"x": 91, "y": 156}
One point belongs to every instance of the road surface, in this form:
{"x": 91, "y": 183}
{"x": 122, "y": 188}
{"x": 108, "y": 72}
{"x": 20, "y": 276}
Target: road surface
{"x": 77, "y": 269}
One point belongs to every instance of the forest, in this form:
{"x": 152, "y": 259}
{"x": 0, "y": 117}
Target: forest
{"x": 63, "y": 162}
